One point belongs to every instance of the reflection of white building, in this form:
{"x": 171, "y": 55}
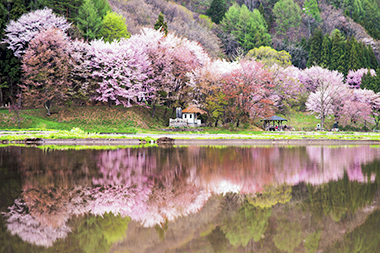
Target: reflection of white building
{"x": 189, "y": 118}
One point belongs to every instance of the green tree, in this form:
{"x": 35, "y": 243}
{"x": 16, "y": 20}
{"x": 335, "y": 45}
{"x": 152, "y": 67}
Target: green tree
{"x": 113, "y": 27}
{"x": 270, "y": 56}
{"x": 370, "y": 82}
{"x": 10, "y": 69}
{"x": 217, "y": 10}
{"x": 372, "y": 61}
{"x": 354, "y": 61}
{"x": 326, "y": 52}
{"x": 66, "y": 8}
{"x": 249, "y": 28}
{"x": 161, "y": 24}
{"x": 311, "y": 8}
{"x": 354, "y": 7}
{"x": 88, "y": 20}
{"x": 102, "y": 6}
{"x": 315, "y": 48}
{"x": 336, "y": 50}
{"x": 287, "y": 15}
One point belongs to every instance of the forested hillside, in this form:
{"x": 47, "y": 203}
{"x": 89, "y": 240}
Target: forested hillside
{"x": 238, "y": 60}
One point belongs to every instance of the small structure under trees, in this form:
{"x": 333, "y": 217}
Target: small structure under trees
{"x": 187, "y": 117}
{"x": 271, "y": 123}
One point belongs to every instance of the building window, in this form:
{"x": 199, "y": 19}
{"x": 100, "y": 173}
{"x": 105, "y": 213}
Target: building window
{"x": 190, "y": 115}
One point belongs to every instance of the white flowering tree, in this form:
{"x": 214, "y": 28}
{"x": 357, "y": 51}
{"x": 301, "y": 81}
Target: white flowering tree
{"x": 19, "y": 33}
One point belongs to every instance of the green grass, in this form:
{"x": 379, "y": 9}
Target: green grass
{"x": 88, "y": 122}
{"x": 97, "y": 119}
{"x": 304, "y": 121}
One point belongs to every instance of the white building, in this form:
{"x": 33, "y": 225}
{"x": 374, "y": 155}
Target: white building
{"x": 189, "y": 118}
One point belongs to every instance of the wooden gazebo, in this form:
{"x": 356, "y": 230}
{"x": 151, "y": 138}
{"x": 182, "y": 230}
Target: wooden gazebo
{"x": 276, "y": 121}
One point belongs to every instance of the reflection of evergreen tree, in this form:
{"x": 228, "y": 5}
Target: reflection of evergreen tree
{"x": 337, "y": 198}
{"x": 288, "y": 235}
{"x": 364, "y": 239}
{"x": 248, "y": 223}
{"x": 97, "y": 234}
{"x": 372, "y": 168}
{"x": 218, "y": 241}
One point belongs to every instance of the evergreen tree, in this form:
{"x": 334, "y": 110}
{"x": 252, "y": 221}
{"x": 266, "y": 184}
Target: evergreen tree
{"x": 249, "y": 28}
{"x": 217, "y": 10}
{"x": 287, "y": 15}
{"x": 372, "y": 61}
{"x": 336, "y": 50}
{"x": 66, "y": 8}
{"x": 315, "y": 48}
{"x": 18, "y": 8}
{"x": 161, "y": 24}
{"x": 88, "y": 20}
{"x": 261, "y": 9}
{"x": 102, "y": 6}
{"x": 326, "y": 52}
{"x": 364, "y": 55}
{"x": 113, "y": 27}
{"x": 345, "y": 58}
{"x": 370, "y": 82}
{"x": 354, "y": 61}
{"x": 10, "y": 69}
{"x": 311, "y": 8}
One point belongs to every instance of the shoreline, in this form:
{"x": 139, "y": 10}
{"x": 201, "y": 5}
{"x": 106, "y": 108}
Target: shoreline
{"x": 197, "y": 142}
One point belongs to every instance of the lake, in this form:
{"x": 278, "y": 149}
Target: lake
{"x": 190, "y": 199}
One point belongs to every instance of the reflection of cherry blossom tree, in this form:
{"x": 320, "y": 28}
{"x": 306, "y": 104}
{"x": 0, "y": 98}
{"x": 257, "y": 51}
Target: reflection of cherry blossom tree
{"x": 23, "y": 224}
{"x": 154, "y": 186}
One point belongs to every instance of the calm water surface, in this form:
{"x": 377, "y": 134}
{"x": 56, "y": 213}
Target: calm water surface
{"x": 190, "y": 199}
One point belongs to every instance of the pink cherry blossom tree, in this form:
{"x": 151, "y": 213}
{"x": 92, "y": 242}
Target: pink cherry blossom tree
{"x": 290, "y": 91}
{"x": 45, "y": 65}
{"x": 326, "y": 87}
{"x": 361, "y": 107}
{"x": 18, "y": 34}
{"x": 122, "y": 71}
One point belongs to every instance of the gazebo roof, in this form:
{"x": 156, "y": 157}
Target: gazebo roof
{"x": 275, "y": 118}
{"x": 193, "y": 109}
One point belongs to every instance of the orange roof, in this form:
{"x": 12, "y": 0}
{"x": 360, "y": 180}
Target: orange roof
{"x": 193, "y": 109}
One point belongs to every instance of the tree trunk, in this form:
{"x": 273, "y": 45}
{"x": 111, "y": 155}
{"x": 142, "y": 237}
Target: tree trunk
{"x": 109, "y": 102}
{"x": 153, "y": 109}
{"x": 216, "y": 123}
{"x": 166, "y": 110}
{"x": 18, "y": 119}
{"x": 173, "y": 112}
{"x": 238, "y": 123}
{"x": 47, "y": 107}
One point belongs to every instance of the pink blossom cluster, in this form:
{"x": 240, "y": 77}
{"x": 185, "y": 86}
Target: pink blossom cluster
{"x": 354, "y": 78}
{"x": 331, "y": 96}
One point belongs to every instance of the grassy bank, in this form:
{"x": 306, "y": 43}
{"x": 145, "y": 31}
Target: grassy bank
{"x": 89, "y": 122}
{"x": 96, "y": 119}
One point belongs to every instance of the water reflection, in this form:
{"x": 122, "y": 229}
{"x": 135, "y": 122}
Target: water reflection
{"x": 228, "y": 198}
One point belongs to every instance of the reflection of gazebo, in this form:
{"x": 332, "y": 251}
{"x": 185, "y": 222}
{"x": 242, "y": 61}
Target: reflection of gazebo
{"x": 275, "y": 120}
